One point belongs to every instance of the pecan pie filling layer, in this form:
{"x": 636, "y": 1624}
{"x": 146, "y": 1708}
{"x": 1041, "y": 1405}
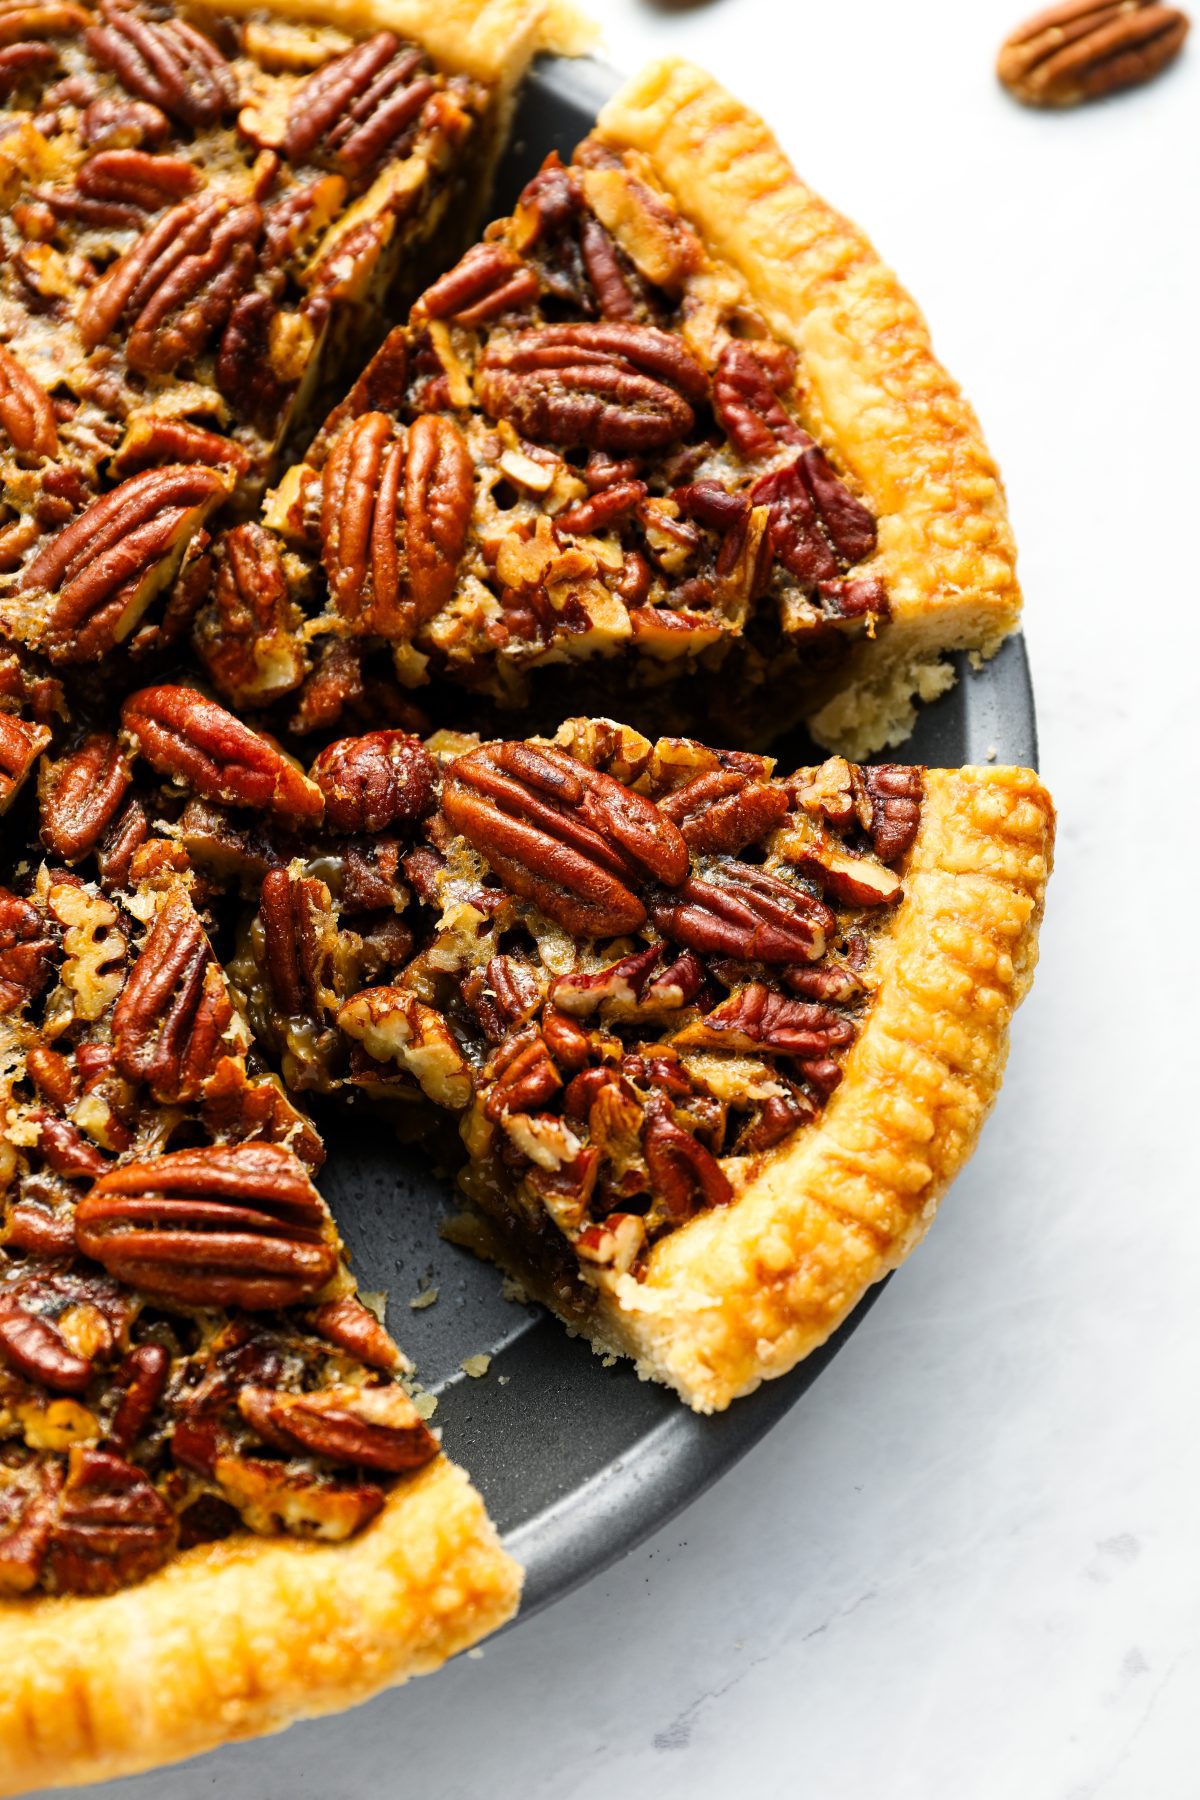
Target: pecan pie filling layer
{"x": 584, "y": 441}
{"x": 202, "y": 221}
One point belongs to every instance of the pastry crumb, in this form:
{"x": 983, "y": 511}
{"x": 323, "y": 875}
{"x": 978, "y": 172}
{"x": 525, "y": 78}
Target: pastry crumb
{"x": 427, "y": 1298}
{"x": 511, "y": 1289}
{"x": 426, "y": 1405}
{"x": 475, "y": 1366}
{"x": 475, "y": 1655}
{"x": 504, "y": 1380}
{"x": 609, "y": 1361}
{"x": 992, "y": 752}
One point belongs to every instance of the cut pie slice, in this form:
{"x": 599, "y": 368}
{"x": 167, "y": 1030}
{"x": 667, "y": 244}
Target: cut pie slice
{"x": 206, "y": 222}
{"x": 671, "y": 424}
{"x": 220, "y": 1507}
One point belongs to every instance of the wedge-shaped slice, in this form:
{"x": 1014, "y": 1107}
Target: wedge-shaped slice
{"x": 207, "y": 219}
{"x": 730, "y": 1036}
{"x": 221, "y": 1509}
{"x": 674, "y": 412}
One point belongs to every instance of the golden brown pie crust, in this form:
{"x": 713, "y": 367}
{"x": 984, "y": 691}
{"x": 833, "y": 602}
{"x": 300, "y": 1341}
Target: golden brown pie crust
{"x": 741, "y": 1293}
{"x": 237, "y": 1638}
{"x": 878, "y": 395}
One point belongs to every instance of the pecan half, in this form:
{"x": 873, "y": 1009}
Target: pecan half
{"x": 1088, "y": 48}
{"x": 354, "y": 110}
{"x": 360, "y": 508}
{"x": 123, "y": 124}
{"x": 748, "y": 406}
{"x": 887, "y": 798}
{"x": 352, "y": 1327}
{"x": 246, "y": 636}
{"x": 137, "y": 179}
{"x": 563, "y": 835}
{"x": 178, "y": 283}
{"x": 299, "y": 942}
{"x": 370, "y": 1427}
{"x": 197, "y": 742}
{"x": 745, "y": 913}
{"x": 26, "y": 415}
{"x": 385, "y": 778}
{"x": 142, "y": 1378}
{"x": 618, "y": 387}
{"x": 814, "y": 518}
{"x": 439, "y": 488}
{"x": 488, "y": 281}
{"x": 240, "y": 1225}
{"x": 106, "y": 566}
{"x": 722, "y": 811}
{"x": 21, "y": 744}
{"x": 79, "y": 795}
{"x": 112, "y": 1528}
{"x": 755, "y": 1018}
{"x": 168, "y": 63}
{"x": 171, "y": 1020}
{"x": 684, "y": 1175}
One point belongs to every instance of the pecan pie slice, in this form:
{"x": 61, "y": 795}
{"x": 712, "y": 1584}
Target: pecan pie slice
{"x": 671, "y": 423}
{"x": 207, "y": 219}
{"x": 201, "y": 1422}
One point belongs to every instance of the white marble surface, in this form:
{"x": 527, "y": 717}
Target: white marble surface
{"x": 968, "y": 1563}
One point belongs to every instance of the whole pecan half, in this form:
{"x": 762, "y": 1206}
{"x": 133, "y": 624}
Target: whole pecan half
{"x": 238, "y": 1225}
{"x": 299, "y": 942}
{"x": 488, "y": 281}
{"x": 745, "y": 913}
{"x": 887, "y": 799}
{"x": 106, "y": 566}
{"x": 137, "y": 179}
{"x": 1085, "y": 49}
{"x": 26, "y": 415}
{"x": 80, "y": 793}
{"x": 565, "y": 836}
{"x": 21, "y": 743}
{"x": 615, "y": 386}
{"x": 439, "y": 488}
{"x": 353, "y": 111}
{"x": 723, "y": 810}
{"x": 245, "y": 636}
{"x": 370, "y": 1427}
{"x": 814, "y": 518}
{"x": 112, "y": 122}
{"x": 142, "y": 1378}
{"x": 385, "y": 778}
{"x": 173, "y": 1014}
{"x": 178, "y": 283}
{"x": 756, "y": 1018}
{"x": 112, "y": 1527}
{"x": 748, "y": 406}
{"x": 197, "y": 742}
{"x": 168, "y": 63}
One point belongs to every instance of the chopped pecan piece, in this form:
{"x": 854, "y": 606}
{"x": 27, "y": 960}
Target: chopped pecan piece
{"x": 25, "y": 952}
{"x": 489, "y": 281}
{"x": 80, "y": 795}
{"x": 197, "y": 742}
{"x": 684, "y": 1174}
{"x": 563, "y": 835}
{"x": 724, "y": 810}
{"x": 369, "y": 1427}
{"x": 814, "y": 518}
{"x": 36, "y": 1348}
{"x": 887, "y": 799}
{"x": 352, "y": 1327}
{"x": 246, "y": 636}
{"x": 746, "y": 403}
{"x": 169, "y": 63}
{"x": 392, "y": 1025}
{"x": 756, "y": 1018}
{"x": 142, "y": 1379}
{"x": 230, "y": 1226}
{"x": 21, "y": 744}
{"x": 385, "y": 778}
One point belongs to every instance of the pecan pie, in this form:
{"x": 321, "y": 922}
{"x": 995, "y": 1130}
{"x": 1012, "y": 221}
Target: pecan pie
{"x": 707, "y": 1035}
